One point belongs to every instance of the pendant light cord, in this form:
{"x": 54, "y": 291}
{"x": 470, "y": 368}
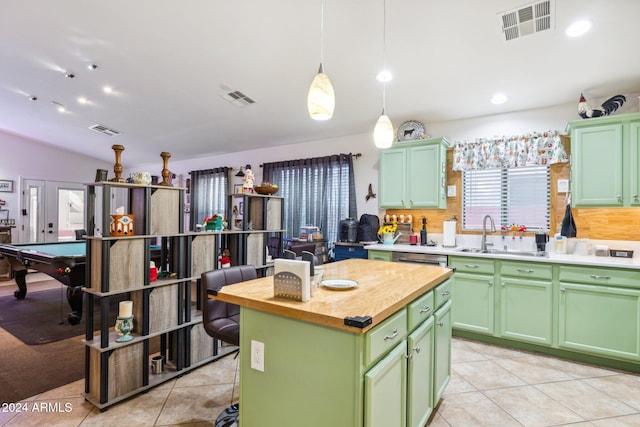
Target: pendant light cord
{"x": 321, "y": 32}
{"x": 384, "y": 54}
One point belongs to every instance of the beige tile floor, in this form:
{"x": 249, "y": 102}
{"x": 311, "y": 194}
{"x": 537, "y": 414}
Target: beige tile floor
{"x": 490, "y": 386}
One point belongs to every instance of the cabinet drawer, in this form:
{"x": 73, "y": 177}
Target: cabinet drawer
{"x": 600, "y": 276}
{"x": 443, "y": 293}
{"x": 346, "y": 252}
{"x": 385, "y": 336}
{"x": 420, "y": 310}
{"x": 526, "y": 270}
{"x": 380, "y": 255}
{"x": 472, "y": 265}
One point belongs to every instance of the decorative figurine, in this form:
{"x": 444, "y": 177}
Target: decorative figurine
{"x": 166, "y": 175}
{"x": 117, "y": 168}
{"x": 249, "y": 179}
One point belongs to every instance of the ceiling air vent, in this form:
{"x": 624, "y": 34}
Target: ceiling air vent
{"x": 105, "y": 130}
{"x": 235, "y": 97}
{"x": 526, "y": 20}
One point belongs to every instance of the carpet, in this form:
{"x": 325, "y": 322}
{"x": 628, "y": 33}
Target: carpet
{"x": 41, "y": 318}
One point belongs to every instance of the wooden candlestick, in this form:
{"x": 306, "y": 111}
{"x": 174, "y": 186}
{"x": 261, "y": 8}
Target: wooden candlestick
{"x": 117, "y": 168}
{"x": 166, "y": 181}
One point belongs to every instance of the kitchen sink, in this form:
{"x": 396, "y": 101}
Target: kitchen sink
{"x": 504, "y": 252}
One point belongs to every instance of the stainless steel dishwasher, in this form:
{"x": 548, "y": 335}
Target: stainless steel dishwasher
{"x": 418, "y": 258}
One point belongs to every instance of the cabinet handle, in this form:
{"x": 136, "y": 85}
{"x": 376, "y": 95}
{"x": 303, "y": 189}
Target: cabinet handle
{"x": 596, "y": 277}
{"x": 402, "y": 202}
{"x": 445, "y": 294}
{"x": 441, "y": 324}
{"x": 619, "y": 197}
{"x": 392, "y": 336}
{"x": 504, "y": 284}
{"x": 563, "y": 290}
{"x": 410, "y": 355}
{"x": 523, "y": 270}
{"x": 635, "y": 197}
{"x": 425, "y": 310}
{"x": 411, "y": 202}
{"x": 490, "y": 283}
{"x": 471, "y": 266}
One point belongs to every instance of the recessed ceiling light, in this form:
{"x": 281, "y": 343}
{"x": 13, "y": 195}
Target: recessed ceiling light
{"x": 92, "y": 66}
{"x": 499, "y": 98}
{"x": 59, "y": 107}
{"x": 384, "y": 76}
{"x": 70, "y": 75}
{"x": 107, "y": 89}
{"x": 578, "y": 28}
{"x": 33, "y": 98}
{"x": 82, "y": 100}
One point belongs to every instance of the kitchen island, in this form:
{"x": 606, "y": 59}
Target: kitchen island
{"x": 317, "y": 370}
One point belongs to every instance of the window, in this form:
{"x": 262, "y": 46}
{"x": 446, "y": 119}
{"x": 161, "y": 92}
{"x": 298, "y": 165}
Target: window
{"x": 208, "y": 193}
{"x": 510, "y": 195}
{"x": 318, "y": 191}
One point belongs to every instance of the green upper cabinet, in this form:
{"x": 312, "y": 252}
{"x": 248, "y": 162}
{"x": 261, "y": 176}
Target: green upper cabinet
{"x": 413, "y": 175}
{"x": 604, "y": 160}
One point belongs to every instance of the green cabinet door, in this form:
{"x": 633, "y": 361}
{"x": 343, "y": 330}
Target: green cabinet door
{"x": 596, "y": 154}
{"x": 526, "y": 310}
{"x": 442, "y": 351}
{"x": 473, "y": 295}
{"x": 392, "y": 178}
{"x": 425, "y": 177}
{"x": 380, "y": 255}
{"x": 420, "y": 374}
{"x": 601, "y": 320}
{"x": 634, "y": 149}
{"x": 385, "y": 390}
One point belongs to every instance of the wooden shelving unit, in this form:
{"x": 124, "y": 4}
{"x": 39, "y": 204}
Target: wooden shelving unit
{"x": 254, "y": 218}
{"x": 167, "y": 320}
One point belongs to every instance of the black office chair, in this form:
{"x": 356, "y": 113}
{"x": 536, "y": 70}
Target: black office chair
{"x": 221, "y": 320}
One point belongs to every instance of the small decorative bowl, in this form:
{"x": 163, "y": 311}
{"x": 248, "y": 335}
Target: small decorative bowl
{"x": 266, "y": 190}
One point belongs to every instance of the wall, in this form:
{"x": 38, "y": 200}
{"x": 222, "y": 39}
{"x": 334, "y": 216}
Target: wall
{"x": 25, "y": 158}
{"x": 612, "y": 224}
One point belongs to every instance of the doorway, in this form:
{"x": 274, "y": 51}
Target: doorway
{"x": 52, "y": 210}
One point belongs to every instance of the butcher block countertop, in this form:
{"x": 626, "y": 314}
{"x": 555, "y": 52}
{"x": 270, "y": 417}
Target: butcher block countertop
{"x": 383, "y": 288}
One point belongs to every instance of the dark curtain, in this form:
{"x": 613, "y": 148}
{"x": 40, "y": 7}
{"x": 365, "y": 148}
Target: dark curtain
{"x": 208, "y": 192}
{"x": 319, "y": 191}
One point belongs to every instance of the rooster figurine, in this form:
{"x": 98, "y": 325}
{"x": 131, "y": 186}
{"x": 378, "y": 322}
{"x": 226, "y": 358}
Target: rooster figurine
{"x": 586, "y": 111}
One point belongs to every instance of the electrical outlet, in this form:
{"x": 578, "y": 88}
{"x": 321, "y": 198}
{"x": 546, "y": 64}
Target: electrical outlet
{"x": 451, "y": 191}
{"x": 257, "y": 355}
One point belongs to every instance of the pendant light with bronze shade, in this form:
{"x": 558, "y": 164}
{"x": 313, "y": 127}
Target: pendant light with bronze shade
{"x": 321, "y": 99}
{"x": 383, "y": 132}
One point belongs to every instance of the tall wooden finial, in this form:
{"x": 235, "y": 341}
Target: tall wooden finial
{"x": 117, "y": 168}
{"x": 166, "y": 175}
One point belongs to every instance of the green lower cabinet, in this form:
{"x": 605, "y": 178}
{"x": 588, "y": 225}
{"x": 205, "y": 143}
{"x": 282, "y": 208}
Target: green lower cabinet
{"x": 442, "y": 350}
{"x": 420, "y": 374}
{"x": 381, "y": 255}
{"x": 600, "y": 320}
{"x": 385, "y": 390}
{"x": 474, "y": 303}
{"x": 526, "y": 310}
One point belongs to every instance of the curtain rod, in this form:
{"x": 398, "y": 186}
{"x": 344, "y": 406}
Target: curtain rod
{"x": 355, "y": 156}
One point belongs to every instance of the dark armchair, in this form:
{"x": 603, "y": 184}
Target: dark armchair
{"x": 221, "y": 320}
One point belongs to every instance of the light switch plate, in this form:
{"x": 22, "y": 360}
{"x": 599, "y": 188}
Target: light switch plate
{"x": 563, "y": 185}
{"x": 451, "y": 191}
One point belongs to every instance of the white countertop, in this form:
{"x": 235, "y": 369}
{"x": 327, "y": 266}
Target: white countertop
{"x": 555, "y": 258}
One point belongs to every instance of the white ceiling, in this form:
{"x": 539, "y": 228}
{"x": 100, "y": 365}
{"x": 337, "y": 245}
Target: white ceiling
{"x": 167, "y": 61}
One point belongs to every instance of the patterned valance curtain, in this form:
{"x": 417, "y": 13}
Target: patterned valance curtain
{"x": 538, "y": 149}
{"x": 319, "y": 191}
{"x": 208, "y": 190}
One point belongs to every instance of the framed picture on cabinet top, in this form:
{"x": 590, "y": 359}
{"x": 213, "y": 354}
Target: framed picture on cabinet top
{"x": 237, "y": 189}
{"x": 6, "y": 186}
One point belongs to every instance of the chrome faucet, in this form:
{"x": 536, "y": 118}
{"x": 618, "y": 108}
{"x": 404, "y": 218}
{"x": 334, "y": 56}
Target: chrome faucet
{"x": 483, "y": 243}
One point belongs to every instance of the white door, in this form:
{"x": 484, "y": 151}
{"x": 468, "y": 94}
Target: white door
{"x": 52, "y": 210}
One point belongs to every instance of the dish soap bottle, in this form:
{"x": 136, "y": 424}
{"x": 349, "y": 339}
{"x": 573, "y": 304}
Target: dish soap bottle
{"x": 560, "y": 244}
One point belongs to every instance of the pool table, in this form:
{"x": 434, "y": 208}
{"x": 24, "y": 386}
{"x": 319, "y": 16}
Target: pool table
{"x": 64, "y": 261}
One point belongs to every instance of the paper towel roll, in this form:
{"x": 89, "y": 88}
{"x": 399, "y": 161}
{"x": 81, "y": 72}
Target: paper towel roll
{"x": 449, "y": 234}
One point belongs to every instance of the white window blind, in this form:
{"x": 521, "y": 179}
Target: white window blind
{"x": 510, "y": 195}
